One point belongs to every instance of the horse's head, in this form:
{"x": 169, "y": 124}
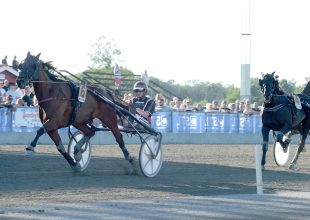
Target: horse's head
{"x": 30, "y": 69}
{"x": 268, "y": 84}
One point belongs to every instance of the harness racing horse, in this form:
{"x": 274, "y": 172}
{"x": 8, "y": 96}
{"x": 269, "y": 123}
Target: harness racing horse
{"x": 58, "y": 108}
{"x": 280, "y": 114}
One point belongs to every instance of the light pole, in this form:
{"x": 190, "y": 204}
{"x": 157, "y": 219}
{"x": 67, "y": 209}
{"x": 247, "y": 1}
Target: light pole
{"x": 245, "y": 87}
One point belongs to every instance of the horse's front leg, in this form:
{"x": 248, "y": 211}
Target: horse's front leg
{"x": 88, "y": 133}
{"x": 40, "y": 132}
{"x": 33, "y": 144}
{"x": 284, "y": 132}
{"x": 51, "y": 128}
{"x": 265, "y": 134}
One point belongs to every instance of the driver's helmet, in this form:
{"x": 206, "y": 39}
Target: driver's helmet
{"x": 140, "y": 86}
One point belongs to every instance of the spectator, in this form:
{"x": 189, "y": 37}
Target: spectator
{"x": 161, "y": 107}
{"x": 20, "y": 102}
{"x": 255, "y": 108}
{"x": 117, "y": 77}
{"x": 5, "y": 60}
{"x": 215, "y": 105}
{"x": 198, "y": 108}
{"x": 5, "y": 86}
{"x": 28, "y": 96}
{"x": 210, "y": 108}
{"x": 224, "y": 107}
{"x": 15, "y": 64}
{"x": 237, "y": 104}
{"x": 145, "y": 78}
{"x": 241, "y": 106}
{"x": 12, "y": 91}
{"x": 247, "y": 108}
{"x": 232, "y": 107}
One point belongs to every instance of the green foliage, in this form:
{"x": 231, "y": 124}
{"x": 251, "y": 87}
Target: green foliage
{"x": 104, "y": 53}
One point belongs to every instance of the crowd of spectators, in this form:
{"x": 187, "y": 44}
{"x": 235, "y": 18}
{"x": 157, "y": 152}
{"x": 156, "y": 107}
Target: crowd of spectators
{"x": 185, "y": 105}
{"x": 11, "y": 96}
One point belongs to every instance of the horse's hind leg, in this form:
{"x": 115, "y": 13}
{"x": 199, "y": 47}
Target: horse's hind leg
{"x": 112, "y": 125}
{"x": 293, "y": 165}
{"x": 88, "y": 133}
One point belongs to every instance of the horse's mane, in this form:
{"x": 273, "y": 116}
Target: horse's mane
{"x": 49, "y": 68}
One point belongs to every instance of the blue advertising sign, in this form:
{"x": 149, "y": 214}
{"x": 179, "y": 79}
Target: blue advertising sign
{"x": 257, "y": 123}
{"x": 162, "y": 121}
{"x": 229, "y": 123}
{"x": 188, "y": 122}
{"x": 245, "y": 124}
{"x": 5, "y": 120}
{"x": 213, "y": 123}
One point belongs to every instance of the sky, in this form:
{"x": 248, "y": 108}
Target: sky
{"x": 179, "y": 40}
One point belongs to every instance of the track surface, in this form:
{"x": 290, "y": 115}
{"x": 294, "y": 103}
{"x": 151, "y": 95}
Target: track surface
{"x": 187, "y": 171}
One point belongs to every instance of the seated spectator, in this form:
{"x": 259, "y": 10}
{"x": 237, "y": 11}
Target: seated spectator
{"x": 5, "y": 60}
{"x": 15, "y": 64}
{"x": 224, "y": 107}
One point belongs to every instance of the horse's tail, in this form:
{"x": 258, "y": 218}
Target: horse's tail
{"x": 306, "y": 90}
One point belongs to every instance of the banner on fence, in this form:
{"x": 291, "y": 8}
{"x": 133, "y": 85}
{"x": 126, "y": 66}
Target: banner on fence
{"x": 26, "y": 119}
{"x": 188, "y": 122}
{"x": 161, "y": 121}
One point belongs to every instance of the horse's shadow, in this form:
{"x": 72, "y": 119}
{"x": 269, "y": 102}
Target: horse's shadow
{"x": 48, "y": 171}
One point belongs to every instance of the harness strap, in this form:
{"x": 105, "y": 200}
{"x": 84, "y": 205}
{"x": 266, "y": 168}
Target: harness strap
{"x": 47, "y": 100}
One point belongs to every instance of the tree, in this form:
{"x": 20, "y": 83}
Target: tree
{"x": 104, "y": 53}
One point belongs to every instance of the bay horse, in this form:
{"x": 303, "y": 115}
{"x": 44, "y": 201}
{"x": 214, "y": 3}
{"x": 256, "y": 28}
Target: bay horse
{"x": 280, "y": 114}
{"x": 59, "y": 108}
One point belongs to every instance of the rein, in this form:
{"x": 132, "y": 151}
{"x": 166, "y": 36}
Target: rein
{"x": 274, "y": 109}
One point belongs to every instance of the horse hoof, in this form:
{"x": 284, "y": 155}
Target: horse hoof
{"x": 77, "y": 167}
{"x": 77, "y": 156}
{"x": 30, "y": 153}
{"x": 30, "y": 150}
{"x": 263, "y": 168}
{"x": 293, "y": 167}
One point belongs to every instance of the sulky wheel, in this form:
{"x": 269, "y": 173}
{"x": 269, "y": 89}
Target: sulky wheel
{"x": 86, "y": 149}
{"x": 150, "y": 163}
{"x": 280, "y": 156}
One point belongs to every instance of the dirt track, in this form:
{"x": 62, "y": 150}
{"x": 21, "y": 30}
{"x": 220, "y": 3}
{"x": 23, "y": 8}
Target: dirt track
{"x": 188, "y": 170}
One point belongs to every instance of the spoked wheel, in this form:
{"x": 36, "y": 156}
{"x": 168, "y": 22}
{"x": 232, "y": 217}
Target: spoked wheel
{"x": 86, "y": 149}
{"x": 280, "y": 156}
{"x": 150, "y": 156}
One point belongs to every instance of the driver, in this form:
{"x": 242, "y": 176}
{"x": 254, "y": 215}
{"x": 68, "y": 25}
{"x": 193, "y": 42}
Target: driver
{"x": 144, "y": 105}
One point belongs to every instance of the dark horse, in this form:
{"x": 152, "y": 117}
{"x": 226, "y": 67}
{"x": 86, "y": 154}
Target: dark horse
{"x": 280, "y": 114}
{"x": 58, "y": 108}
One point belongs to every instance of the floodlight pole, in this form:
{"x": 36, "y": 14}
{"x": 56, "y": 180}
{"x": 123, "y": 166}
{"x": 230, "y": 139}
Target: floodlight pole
{"x": 245, "y": 87}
